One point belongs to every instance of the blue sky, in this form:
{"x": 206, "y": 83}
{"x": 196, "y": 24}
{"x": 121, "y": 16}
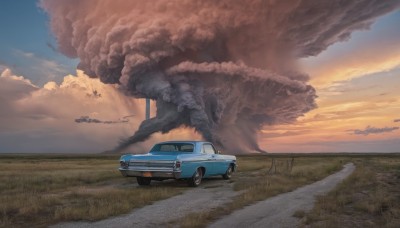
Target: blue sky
{"x": 357, "y": 83}
{"x": 27, "y": 46}
{"x": 383, "y": 34}
{"x": 25, "y": 43}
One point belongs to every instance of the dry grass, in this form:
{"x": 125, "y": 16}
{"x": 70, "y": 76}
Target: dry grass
{"x": 370, "y": 197}
{"x": 42, "y": 190}
{"x": 36, "y": 191}
{"x": 256, "y": 184}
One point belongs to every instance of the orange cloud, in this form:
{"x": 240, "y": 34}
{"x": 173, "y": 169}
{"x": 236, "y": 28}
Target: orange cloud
{"x": 318, "y": 130}
{"x": 35, "y": 119}
{"x": 324, "y": 76}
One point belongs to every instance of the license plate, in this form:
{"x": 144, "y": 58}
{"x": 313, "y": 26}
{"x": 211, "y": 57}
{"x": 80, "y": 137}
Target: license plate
{"x": 146, "y": 174}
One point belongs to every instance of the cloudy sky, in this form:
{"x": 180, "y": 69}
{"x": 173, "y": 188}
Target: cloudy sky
{"x": 48, "y": 106}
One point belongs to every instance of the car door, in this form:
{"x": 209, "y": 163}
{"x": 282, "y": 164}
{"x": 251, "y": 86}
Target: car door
{"x": 210, "y": 153}
{"x": 220, "y": 163}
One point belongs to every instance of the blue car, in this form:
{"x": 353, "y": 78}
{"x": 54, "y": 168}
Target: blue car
{"x": 189, "y": 160}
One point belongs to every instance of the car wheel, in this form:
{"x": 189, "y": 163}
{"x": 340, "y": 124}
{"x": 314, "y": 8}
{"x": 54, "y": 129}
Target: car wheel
{"x": 143, "y": 180}
{"x": 228, "y": 173}
{"x": 196, "y": 178}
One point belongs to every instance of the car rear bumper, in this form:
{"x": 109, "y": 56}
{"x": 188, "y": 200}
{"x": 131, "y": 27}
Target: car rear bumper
{"x": 150, "y": 173}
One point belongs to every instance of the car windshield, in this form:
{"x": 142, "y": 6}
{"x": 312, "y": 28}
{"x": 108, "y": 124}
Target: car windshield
{"x": 173, "y": 147}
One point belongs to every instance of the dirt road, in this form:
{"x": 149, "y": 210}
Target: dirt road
{"x": 273, "y": 212}
{"x": 278, "y": 211}
{"x": 206, "y": 197}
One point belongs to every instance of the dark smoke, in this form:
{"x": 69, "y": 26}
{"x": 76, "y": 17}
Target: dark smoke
{"x": 225, "y": 68}
{"x": 373, "y": 130}
{"x": 87, "y": 119}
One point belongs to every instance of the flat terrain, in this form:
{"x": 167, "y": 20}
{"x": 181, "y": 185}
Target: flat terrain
{"x": 278, "y": 211}
{"x": 43, "y": 190}
{"x": 212, "y": 195}
{"x": 370, "y": 197}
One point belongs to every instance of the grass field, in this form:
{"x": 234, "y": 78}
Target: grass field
{"x": 255, "y": 183}
{"x": 370, "y": 197}
{"x": 40, "y": 190}
{"x": 43, "y": 190}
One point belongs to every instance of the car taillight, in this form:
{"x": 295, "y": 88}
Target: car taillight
{"x": 124, "y": 164}
{"x": 177, "y": 165}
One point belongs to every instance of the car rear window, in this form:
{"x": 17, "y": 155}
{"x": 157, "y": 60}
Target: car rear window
{"x": 173, "y": 147}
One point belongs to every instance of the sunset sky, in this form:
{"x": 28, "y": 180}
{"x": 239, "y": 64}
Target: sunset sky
{"x": 357, "y": 82}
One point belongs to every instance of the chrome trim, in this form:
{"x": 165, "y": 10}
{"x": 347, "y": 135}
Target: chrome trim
{"x": 155, "y": 173}
{"x": 158, "y": 168}
{"x": 151, "y": 164}
{"x": 208, "y": 160}
{"x": 149, "y": 169}
{"x": 153, "y": 161}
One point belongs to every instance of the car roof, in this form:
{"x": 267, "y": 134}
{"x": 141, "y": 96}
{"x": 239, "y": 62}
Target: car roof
{"x": 184, "y": 141}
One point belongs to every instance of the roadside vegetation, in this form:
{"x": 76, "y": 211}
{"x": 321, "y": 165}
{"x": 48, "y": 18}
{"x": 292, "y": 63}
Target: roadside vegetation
{"x": 256, "y": 181}
{"x": 40, "y": 190}
{"x": 370, "y": 197}
{"x": 37, "y": 191}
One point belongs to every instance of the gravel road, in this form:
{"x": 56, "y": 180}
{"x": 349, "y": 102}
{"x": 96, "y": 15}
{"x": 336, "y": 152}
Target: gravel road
{"x": 274, "y": 212}
{"x": 278, "y": 211}
{"x": 206, "y": 197}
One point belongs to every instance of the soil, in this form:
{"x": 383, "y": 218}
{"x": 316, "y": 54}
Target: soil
{"x": 211, "y": 194}
{"x": 274, "y": 212}
{"x": 278, "y": 211}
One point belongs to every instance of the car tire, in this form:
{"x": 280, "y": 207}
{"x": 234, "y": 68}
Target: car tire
{"x": 195, "y": 180}
{"x": 143, "y": 180}
{"x": 228, "y": 173}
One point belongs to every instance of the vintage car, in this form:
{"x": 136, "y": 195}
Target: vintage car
{"x": 188, "y": 160}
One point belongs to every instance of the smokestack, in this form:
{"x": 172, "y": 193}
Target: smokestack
{"x": 147, "y": 108}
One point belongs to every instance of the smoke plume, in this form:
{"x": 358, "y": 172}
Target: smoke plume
{"x": 225, "y": 68}
{"x": 87, "y": 119}
{"x": 373, "y": 130}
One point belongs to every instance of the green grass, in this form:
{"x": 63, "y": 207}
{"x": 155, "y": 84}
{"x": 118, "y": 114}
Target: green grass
{"x": 370, "y": 197}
